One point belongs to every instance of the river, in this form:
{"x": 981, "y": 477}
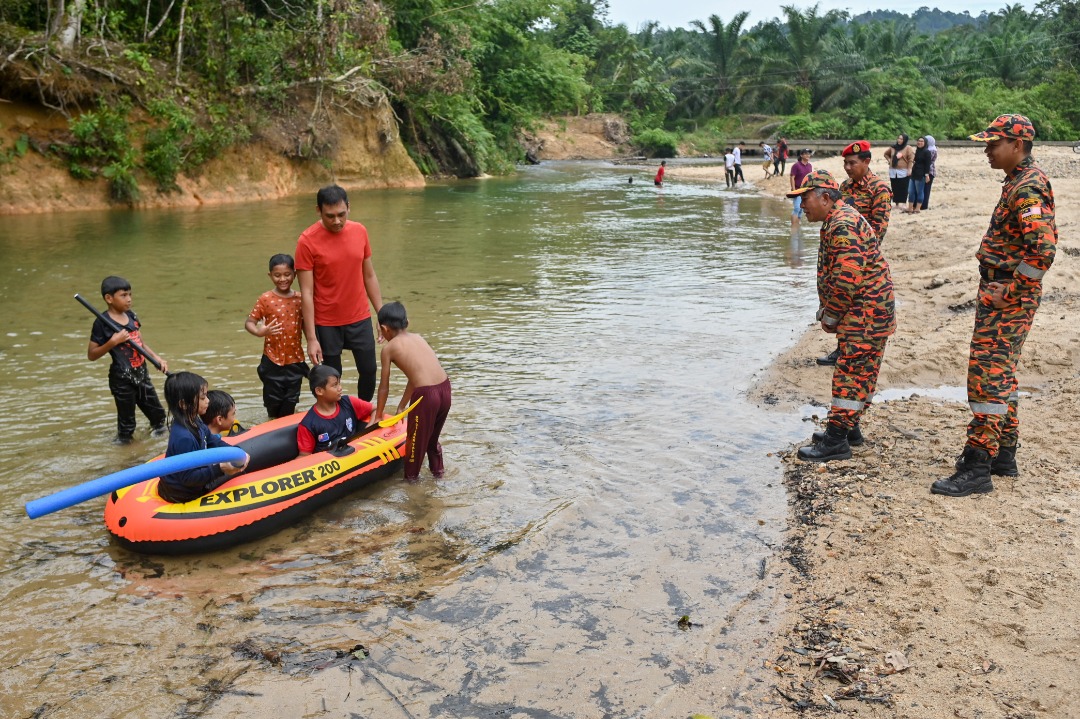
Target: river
{"x": 605, "y": 475}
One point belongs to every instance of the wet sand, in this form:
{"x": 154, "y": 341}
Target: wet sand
{"x": 908, "y": 604}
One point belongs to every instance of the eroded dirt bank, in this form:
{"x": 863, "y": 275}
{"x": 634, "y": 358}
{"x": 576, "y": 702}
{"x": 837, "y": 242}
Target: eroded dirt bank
{"x": 369, "y": 155}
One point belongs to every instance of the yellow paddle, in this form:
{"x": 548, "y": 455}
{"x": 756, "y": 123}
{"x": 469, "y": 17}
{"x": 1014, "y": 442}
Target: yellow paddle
{"x": 389, "y": 421}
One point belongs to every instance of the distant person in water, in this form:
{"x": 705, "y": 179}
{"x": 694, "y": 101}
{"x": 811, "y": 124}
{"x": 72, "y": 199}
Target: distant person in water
{"x": 659, "y": 179}
{"x": 426, "y": 381}
{"x": 186, "y": 395}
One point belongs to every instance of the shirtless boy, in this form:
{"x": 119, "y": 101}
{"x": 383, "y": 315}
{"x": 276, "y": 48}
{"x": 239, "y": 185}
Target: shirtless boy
{"x": 426, "y": 379}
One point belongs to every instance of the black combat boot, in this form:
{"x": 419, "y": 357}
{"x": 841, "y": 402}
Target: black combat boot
{"x": 829, "y": 359}
{"x": 1004, "y": 464}
{"x": 833, "y": 445}
{"x": 972, "y": 475}
{"x": 854, "y": 437}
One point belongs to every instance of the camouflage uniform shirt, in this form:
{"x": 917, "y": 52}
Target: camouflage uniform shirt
{"x": 1022, "y": 238}
{"x": 853, "y": 280}
{"x": 872, "y": 197}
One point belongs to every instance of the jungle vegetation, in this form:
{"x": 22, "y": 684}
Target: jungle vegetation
{"x": 464, "y": 79}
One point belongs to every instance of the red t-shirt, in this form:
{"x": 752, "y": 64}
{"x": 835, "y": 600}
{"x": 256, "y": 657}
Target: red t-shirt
{"x": 336, "y": 262}
{"x": 659, "y": 174}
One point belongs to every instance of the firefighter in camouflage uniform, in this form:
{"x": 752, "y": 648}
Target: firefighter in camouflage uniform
{"x": 1016, "y": 251}
{"x": 870, "y": 195}
{"x": 855, "y": 292}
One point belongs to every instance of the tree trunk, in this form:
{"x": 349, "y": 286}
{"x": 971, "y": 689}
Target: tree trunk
{"x": 180, "y": 39}
{"x": 69, "y": 22}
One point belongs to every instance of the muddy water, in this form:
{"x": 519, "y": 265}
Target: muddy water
{"x": 605, "y": 475}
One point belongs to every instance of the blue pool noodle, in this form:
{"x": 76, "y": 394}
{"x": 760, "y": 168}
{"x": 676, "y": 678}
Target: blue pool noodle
{"x": 127, "y": 477}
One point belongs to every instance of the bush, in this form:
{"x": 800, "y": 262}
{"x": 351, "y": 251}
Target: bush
{"x": 102, "y": 146}
{"x": 806, "y": 127}
{"x": 657, "y": 143}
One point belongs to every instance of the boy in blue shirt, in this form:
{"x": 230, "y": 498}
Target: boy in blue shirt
{"x": 334, "y": 415}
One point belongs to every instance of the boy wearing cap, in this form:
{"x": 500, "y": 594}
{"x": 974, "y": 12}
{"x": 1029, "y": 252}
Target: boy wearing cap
{"x": 1016, "y": 251}
{"x": 855, "y": 291}
{"x": 867, "y": 193}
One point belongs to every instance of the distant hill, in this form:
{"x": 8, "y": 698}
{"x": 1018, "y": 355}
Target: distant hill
{"x": 928, "y": 21}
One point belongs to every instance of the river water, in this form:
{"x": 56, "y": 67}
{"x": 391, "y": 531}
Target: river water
{"x": 605, "y": 475}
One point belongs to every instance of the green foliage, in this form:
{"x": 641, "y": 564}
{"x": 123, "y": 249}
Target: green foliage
{"x": 970, "y": 112}
{"x": 657, "y": 143}
{"x": 180, "y": 144}
{"x": 894, "y": 101}
{"x": 102, "y": 146}
{"x": 22, "y": 144}
{"x": 809, "y": 127}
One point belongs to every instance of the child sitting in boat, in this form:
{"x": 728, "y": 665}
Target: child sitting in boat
{"x": 426, "y": 379}
{"x": 334, "y": 416}
{"x": 186, "y": 397}
{"x": 276, "y": 318}
{"x": 220, "y": 414}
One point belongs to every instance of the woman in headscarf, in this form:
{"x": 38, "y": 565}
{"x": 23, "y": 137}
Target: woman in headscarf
{"x": 900, "y": 156}
{"x": 920, "y": 172}
{"x": 931, "y": 145}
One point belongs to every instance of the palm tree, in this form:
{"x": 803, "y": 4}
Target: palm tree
{"x": 723, "y": 53}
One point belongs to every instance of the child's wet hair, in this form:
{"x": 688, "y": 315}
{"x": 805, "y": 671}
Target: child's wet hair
{"x": 220, "y": 402}
{"x": 392, "y": 314}
{"x": 113, "y": 284}
{"x": 319, "y": 376}
{"x": 282, "y": 259}
{"x": 182, "y": 391}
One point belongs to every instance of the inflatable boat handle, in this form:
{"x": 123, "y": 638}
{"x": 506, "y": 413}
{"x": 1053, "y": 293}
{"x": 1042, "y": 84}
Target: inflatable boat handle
{"x": 133, "y": 475}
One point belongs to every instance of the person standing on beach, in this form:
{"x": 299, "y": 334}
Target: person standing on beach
{"x": 337, "y": 279}
{"x": 900, "y": 158}
{"x": 780, "y": 158}
{"x": 737, "y": 151}
{"x": 855, "y": 292}
{"x": 867, "y": 193}
{"x": 1016, "y": 252}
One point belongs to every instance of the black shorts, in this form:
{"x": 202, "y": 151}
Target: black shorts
{"x": 357, "y": 336}
{"x": 281, "y": 385}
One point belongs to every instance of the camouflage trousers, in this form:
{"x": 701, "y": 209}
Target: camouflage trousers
{"x": 992, "y": 392}
{"x": 854, "y": 379}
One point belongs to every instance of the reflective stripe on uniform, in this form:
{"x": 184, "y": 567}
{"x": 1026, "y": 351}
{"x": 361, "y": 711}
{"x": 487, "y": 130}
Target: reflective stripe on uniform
{"x": 829, "y": 320}
{"x": 1028, "y": 271}
{"x": 989, "y": 408}
{"x": 1014, "y": 397}
{"x": 851, "y": 404}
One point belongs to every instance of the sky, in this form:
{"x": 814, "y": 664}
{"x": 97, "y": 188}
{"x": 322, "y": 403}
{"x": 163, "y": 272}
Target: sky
{"x": 634, "y": 13}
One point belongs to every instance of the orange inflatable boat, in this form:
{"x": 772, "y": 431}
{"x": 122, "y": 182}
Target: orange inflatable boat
{"x": 277, "y": 489}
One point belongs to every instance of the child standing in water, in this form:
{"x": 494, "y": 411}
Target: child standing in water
{"x": 426, "y": 379}
{"x": 129, "y": 379}
{"x": 276, "y": 318}
{"x": 185, "y": 393}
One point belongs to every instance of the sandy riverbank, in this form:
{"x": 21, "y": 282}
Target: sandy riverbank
{"x": 915, "y": 605}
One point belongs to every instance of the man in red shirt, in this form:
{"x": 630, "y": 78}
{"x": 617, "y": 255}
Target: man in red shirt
{"x": 337, "y": 279}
